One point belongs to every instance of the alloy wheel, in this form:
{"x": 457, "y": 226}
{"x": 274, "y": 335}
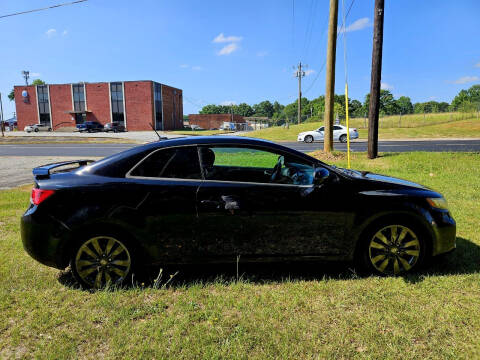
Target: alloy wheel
{"x": 394, "y": 249}
{"x": 309, "y": 139}
{"x": 102, "y": 260}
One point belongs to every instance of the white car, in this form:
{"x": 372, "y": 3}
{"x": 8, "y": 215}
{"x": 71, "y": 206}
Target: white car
{"x": 339, "y": 134}
{"x": 37, "y": 128}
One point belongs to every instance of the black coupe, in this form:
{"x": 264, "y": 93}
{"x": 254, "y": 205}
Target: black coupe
{"x": 210, "y": 199}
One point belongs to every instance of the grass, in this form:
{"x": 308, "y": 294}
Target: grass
{"x": 273, "y": 311}
{"x": 413, "y": 126}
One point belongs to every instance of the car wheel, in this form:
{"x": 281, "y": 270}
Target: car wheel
{"x": 343, "y": 138}
{"x": 101, "y": 260}
{"x": 36, "y": 130}
{"x": 49, "y": 129}
{"x": 393, "y": 249}
{"x": 308, "y": 139}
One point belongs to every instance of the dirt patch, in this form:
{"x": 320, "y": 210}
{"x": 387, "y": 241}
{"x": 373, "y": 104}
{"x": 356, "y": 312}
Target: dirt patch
{"x": 326, "y": 157}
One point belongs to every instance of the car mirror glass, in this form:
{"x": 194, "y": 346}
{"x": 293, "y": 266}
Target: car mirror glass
{"x": 321, "y": 174}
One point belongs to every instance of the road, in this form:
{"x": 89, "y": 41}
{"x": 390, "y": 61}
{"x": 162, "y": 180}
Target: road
{"x": 88, "y": 150}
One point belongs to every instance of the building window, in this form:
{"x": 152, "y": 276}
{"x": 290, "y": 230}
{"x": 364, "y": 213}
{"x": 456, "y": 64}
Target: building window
{"x": 117, "y": 103}
{"x": 43, "y": 105}
{"x": 78, "y": 97}
{"x": 158, "y": 106}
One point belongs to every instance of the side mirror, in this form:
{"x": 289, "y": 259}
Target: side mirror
{"x": 321, "y": 174}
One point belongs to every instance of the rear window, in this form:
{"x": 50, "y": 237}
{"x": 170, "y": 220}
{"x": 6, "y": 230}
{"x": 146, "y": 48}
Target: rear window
{"x": 178, "y": 163}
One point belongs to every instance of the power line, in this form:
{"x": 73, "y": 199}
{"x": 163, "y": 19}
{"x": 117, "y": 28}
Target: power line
{"x": 325, "y": 61}
{"x": 45, "y": 8}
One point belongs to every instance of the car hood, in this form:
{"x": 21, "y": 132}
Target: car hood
{"x": 379, "y": 178}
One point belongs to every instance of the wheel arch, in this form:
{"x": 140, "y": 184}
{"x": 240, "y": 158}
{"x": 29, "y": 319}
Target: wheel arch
{"x": 400, "y": 217}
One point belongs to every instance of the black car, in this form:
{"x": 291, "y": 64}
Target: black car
{"x": 90, "y": 126}
{"x": 114, "y": 127}
{"x": 210, "y": 199}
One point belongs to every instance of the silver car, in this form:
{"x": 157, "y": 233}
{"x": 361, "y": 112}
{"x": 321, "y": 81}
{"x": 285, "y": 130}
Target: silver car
{"x": 339, "y": 134}
{"x": 37, "y": 128}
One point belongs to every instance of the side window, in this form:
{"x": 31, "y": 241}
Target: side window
{"x": 241, "y": 164}
{"x": 337, "y": 128}
{"x": 321, "y": 129}
{"x": 180, "y": 163}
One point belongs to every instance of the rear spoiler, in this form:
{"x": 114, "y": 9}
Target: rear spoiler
{"x": 43, "y": 172}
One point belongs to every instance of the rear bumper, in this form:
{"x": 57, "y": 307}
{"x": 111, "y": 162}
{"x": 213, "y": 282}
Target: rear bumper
{"x": 44, "y": 241}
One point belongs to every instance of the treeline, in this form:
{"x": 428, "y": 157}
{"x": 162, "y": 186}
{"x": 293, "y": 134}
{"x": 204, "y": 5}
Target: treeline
{"x": 465, "y": 101}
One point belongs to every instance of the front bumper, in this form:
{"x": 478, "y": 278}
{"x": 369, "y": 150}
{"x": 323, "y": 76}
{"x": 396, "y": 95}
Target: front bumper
{"x": 444, "y": 229}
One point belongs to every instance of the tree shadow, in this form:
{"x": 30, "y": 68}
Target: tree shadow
{"x": 464, "y": 260}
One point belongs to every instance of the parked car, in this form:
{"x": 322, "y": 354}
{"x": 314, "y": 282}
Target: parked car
{"x": 209, "y": 199}
{"x": 114, "y": 126}
{"x": 90, "y": 126}
{"x": 37, "y": 128}
{"x": 339, "y": 134}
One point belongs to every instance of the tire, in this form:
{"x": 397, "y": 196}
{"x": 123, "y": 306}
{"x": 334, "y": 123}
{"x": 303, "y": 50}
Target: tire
{"x": 343, "y": 138}
{"x": 308, "y": 139}
{"x": 49, "y": 129}
{"x": 100, "y": 260}
{"x": 391, "y": 248}
{"x": 36, "y": 130}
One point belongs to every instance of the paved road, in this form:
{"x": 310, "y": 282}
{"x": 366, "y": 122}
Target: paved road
{"x": 88, "y": 150}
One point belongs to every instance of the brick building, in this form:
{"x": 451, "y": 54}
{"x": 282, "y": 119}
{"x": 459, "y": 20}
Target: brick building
{"x": 136, "y": 104}
{"x": 214, "y": 121}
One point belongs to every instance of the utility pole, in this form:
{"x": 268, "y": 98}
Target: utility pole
{"x": 375, "y": 79}
{"x": 299, "y": 74}
{"x": 330, "y": 83}
{"x": 2, "y": 125}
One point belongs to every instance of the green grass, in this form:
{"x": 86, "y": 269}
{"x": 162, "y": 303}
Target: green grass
{"x": 412, "y": 126}
{"x": 272, "y": 312}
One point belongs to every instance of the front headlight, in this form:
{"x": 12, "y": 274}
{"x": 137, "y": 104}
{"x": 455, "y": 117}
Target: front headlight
{"x": 439, "y": 203}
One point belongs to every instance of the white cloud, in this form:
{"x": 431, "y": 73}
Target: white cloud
{"x": 51, "y": 32}
{"x": 432, "y": 98}
{"x": 309, "y": 72}
{"x": 466, "y": 79}
{"x": 386, "y": 86}
{"x": 228, "y": 49}
{"x": 34, "y": 74}
{"x": 223, "y": 39}
{"x": 262, "y": 53}
{"x": 184, "y": 66}
{"x": 357, "y": 25}
{"x": 65, "y": 32}
{"x": 228, "y": 102}
{"x": 197, "y": 68}
{"x": 477, "y": 65}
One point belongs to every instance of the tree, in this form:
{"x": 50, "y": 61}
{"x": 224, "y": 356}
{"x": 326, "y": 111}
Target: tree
{"x": 467, "y": 100}
{"x": 355, "y": 109}
{"x": 11, "y": 95}
{"x": 209, "y": 109}
{"x": 243, "y": 109}
{"x": 404, "y": 105}
{"x": 265, "y": 108}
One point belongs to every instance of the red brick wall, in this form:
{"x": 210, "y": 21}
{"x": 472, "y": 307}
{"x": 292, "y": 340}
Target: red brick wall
{"x": 61, "y": 104}
{"x": 98, "y": 102}
{"x": 27, "y": 113}
{"x": 138, "y": 104}
{"x": 209, "y": 121}
{"x": 172, "y": 116}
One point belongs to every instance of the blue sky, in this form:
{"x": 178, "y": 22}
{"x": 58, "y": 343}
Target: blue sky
{"x": 241, "y": 51}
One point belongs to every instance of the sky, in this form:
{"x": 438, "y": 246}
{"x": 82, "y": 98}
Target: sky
{"x": 225, "y": 52}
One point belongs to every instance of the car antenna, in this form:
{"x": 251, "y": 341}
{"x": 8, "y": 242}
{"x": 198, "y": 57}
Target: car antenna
{"x": 159, "y": 137}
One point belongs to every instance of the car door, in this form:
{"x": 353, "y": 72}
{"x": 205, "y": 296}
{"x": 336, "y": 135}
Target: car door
{"x": 244, "y": 213}
{"x": 319, "y": 134}
{"x": 165, "y": 184}
{"x": 337, "y": 132}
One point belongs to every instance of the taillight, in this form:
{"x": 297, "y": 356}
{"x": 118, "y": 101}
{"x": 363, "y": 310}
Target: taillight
{"x": 39, "y": 195}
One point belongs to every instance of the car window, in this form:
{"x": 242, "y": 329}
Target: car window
{"x": 337, "y": 128}
{"x": 321, "y": 129}
{"x": 244, "y": 164}
{"x": 180, "y": 163}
